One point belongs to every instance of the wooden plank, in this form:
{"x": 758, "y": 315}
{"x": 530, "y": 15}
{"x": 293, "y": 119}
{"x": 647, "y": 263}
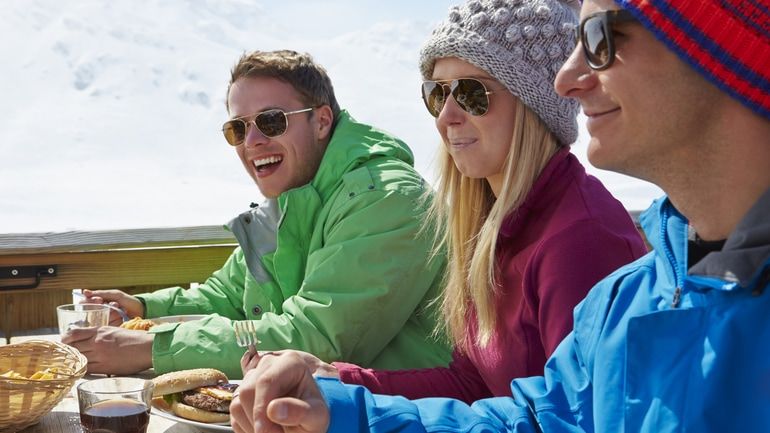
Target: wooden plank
{"x": 34, "y": 243}
{"x": 121, "y": 268}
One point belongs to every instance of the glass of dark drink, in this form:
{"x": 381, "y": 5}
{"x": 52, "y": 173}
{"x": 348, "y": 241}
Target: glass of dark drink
{"x": 115, "y": 405}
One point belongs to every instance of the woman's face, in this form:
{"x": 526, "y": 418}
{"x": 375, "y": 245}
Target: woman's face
{"x": 478, "y": 145}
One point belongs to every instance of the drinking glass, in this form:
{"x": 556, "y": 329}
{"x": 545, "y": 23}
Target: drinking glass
{"x": 82, "y": 316}
{"x": 115, "y": 405}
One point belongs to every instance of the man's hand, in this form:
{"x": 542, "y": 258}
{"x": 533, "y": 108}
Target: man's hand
{"x": 315, "y": 366}
{"x": 279, "y": 396}
{"x": 112, "y": 350}
{"x": 117, "y": 298}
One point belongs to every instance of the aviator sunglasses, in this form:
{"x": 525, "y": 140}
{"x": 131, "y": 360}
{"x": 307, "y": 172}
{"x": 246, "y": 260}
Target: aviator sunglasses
{"x": 469, "y": 93}
{"x": 271, "y": 123}
{"x": 595, "y": 34}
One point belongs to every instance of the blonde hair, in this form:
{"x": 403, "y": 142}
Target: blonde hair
{"x": 473, "y": 217}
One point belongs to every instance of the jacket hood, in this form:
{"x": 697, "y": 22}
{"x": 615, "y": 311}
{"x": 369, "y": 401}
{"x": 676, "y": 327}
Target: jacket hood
{"x": 341, "y": 157}
{"x": 744, "y": 257}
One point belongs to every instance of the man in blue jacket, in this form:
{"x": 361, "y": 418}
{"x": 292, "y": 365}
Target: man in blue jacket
{"x": 677, "y": 93}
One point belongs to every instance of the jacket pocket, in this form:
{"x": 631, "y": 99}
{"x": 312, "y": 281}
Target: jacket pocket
{"x": 664, "y": 357}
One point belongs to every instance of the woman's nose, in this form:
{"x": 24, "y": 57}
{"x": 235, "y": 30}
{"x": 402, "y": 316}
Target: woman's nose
{"x": 450, "y": 113}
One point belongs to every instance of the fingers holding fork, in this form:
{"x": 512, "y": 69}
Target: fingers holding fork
{"x": 246, "y": 336}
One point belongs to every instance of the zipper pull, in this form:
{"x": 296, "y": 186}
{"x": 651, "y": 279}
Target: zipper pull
{"x": 677, "y": 297}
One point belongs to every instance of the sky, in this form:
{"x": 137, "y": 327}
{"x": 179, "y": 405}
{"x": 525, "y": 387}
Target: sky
{"x": 111, "y": 112}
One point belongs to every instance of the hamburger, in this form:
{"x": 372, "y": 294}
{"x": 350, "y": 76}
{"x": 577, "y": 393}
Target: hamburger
{"x": 201, "y": 394}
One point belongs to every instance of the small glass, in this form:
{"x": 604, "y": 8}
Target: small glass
{"x": 115, "y": 405}
{"x": 82, "y": 316}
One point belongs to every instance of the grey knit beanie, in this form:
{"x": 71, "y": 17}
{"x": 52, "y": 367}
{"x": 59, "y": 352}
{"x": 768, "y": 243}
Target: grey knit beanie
{"x": 521, "y": 43}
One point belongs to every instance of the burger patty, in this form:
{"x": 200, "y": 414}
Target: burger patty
{"x": 206, "y": 402}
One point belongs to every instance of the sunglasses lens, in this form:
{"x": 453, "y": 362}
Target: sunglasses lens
{"x": 471, "y": 96}
{"x": 235, "y": 131}
{"x": 433, "y": 96}
{"x": 271, "y": 123}
{"x": 595, "y": 42}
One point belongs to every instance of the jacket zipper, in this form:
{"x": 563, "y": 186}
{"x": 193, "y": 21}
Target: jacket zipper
{"x": 670, "y": 256}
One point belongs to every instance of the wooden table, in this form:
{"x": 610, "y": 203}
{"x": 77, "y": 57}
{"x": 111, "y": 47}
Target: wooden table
{"x": 65, "y": 416}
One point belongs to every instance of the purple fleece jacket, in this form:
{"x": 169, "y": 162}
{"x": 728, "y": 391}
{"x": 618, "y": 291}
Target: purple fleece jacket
{"x": 568, "y": 234}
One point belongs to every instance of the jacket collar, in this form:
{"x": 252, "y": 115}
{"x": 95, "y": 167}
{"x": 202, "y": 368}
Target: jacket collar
{"x": 743, "y": 259}
{"x": 747, "y": 250}
{"x": 554, "y": 174}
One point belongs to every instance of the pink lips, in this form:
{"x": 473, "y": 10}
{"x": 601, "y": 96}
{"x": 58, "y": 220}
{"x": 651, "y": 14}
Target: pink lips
{"x": 460, "y": 143}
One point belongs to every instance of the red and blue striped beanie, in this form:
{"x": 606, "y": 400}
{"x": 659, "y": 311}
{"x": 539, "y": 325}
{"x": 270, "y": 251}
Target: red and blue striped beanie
{"x": 728, "y": 41}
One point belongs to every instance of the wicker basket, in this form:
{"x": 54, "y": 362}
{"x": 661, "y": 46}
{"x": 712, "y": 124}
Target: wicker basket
{"x": 22, "y": 401}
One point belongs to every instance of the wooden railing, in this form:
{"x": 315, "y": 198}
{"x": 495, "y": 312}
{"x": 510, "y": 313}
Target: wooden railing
{"x": 137, "y": 260}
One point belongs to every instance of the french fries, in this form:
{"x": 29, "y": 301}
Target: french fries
{"x": 47, "y": 374}
{"x": 137, "y": 323}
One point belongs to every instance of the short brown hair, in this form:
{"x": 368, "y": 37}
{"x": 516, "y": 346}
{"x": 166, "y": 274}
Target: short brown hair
{"x": 298, "y": 69}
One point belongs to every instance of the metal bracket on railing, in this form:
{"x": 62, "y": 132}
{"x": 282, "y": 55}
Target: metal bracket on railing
{"x": 15, "y": 273}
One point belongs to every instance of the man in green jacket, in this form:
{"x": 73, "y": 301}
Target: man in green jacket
{"x": 333, "y": 263}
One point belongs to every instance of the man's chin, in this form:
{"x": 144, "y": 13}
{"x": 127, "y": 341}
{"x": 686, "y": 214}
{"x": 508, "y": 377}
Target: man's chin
{"x": 597, "y": 153}
{"x": 273, "y": 186}
{"x": 268, "y": 194}
{"x": 268, "y": 188}
{"x": 605, "y": 153}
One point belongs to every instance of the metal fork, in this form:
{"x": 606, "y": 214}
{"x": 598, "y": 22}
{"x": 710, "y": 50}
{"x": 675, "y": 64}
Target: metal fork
{"x": 246, "y": 335}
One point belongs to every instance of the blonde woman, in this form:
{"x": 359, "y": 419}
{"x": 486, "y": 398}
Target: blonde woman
{"x": 528, "y": 231}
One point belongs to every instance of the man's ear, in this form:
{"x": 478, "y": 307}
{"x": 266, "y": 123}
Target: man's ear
{"x": 325, "y": 121}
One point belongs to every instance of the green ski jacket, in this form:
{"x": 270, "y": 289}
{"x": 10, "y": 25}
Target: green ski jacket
{"x": 336, "y": 268}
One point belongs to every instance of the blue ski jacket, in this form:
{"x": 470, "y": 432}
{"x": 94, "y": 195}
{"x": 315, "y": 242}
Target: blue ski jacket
{"x": 655, "y": 348}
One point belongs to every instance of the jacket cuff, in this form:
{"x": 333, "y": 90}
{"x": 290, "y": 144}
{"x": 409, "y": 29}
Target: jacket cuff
{"x": 144, "y": 306}
{"x": 162, "y": 357}
{"x": 153, "y": 306}
{"x": 348, "y": 373}
{"x": 340, "y": 405}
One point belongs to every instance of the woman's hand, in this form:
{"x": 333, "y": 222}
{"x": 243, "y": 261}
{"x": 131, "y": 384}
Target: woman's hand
{"x": 315, "y": 366}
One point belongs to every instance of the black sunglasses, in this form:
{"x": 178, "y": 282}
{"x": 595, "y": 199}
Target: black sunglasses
{"x": 595, "y": 33}
{"x": 271, "y": 123}
{"x": 469, "y": 93}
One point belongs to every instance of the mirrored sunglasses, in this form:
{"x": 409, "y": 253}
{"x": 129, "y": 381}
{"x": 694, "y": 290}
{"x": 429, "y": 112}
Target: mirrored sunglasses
{"x": 469, "y": 93}
{"x": 271, "y": 123}
{"x": 595, "y": 34}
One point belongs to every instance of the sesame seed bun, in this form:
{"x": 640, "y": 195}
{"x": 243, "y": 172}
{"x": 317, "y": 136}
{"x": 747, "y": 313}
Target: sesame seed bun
{"x": 185, "y": 380}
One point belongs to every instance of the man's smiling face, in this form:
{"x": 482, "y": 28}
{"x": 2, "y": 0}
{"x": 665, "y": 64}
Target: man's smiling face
{"x": 290, "y": 160}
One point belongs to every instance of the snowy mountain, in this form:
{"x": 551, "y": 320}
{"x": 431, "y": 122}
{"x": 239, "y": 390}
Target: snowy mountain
{"x": 110, "y": 112}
